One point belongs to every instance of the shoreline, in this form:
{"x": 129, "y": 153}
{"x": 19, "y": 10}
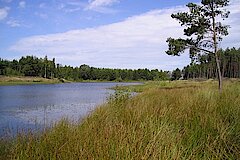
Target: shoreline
{"x": 177, "y": 114}
{"x": 22, "y": 80}
{"x": 13, "y": 132}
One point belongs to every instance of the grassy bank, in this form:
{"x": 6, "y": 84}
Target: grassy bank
{"x": 168, "y": 120}
{"x": 21, "y": 80}
{"x": 5, "y": 80}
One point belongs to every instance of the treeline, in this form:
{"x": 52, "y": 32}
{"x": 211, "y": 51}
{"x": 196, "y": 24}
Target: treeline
{"x": 43, "y": 67}
{"x": 206, "y": 68}
{"x": 28, "y": 66}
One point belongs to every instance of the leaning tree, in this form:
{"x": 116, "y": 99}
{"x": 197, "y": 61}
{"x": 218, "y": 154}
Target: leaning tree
{"x": 204, "y": 31}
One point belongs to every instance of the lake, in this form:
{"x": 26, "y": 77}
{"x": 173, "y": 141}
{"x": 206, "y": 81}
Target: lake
{"x": 32, "y": 107}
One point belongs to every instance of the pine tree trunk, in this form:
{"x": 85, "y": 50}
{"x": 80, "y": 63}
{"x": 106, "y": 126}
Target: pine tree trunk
{"x": 219, "y": 73}
{"x": 216, "y": 56}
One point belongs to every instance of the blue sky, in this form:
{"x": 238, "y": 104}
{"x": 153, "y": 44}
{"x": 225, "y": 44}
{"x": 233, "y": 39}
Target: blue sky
{"x": 100, "y": 33}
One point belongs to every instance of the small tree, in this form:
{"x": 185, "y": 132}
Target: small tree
{"x": 176, "y": 74}
{"x": 203, "y": 30}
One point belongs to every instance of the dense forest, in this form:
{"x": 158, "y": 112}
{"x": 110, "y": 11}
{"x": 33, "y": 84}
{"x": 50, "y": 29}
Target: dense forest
{"x": 43, "y": 67}
{"x": 204, "y": 66}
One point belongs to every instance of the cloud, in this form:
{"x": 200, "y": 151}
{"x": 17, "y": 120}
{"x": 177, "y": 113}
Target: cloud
{"x": 13, "y": 23}
{"x": 71, "y": 6}
{"x": 136, "y": 42}
{"x": 22, "y": 4}
{"x": 101, "y": 5}
{"x": 41, "y": 15}
{"x": 4, "y": 13}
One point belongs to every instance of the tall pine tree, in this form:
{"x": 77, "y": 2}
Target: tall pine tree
{"x": 203, "y": 29}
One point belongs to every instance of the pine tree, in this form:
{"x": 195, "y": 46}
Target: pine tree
{"x": 202, "y": 29}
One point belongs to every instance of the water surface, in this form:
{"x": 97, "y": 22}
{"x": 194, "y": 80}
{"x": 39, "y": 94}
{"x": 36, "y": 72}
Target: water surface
{"x": 37, "y": 106}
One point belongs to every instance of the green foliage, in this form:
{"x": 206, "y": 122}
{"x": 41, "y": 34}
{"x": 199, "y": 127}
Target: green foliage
{"x": 11, "y": 72}
{"x": 33, "y": 66}
{"x": 176, "y": 74}
{"x": 203, "y": 29}
{"x": 200, "y": 22}
{"x": 205, "y": 67}
{"x": 176, "y": 46}
{"x": 119, "y": 97}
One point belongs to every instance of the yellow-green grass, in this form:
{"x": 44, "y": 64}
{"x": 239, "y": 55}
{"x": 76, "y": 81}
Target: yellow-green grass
{"x": 167, "y": 121}
{"x": 23, "y": 80}
{"x": 149, "y": 85}
{"x": 8, "y": 80}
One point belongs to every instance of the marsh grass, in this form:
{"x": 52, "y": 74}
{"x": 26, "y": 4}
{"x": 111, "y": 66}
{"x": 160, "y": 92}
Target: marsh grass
{"x": 168, "y": 120}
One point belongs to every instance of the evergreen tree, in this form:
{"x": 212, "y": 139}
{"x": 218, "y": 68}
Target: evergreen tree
{"x": 203, "y": 30}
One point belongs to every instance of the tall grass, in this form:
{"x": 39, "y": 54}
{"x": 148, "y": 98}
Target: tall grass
{"x": 169, "y": 120}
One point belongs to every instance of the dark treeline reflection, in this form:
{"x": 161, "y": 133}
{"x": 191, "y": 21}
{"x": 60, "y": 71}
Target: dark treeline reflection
{"x": 43, "y": 67}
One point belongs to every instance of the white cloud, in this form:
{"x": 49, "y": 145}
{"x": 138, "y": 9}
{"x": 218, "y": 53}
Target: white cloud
{"x": 41, "y": 15}
{"x": 101, "y": 5}
{"x": 4, "y": 13}
{"x": 137, "y": 42}
{"x": 71, "y": 6}
{"x": 13, "y": 23}
{"x": 22, "y": 4}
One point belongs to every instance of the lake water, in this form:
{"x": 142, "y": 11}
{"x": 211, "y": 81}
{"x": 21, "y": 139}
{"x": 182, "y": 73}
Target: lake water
{"x": 32, "y": 107}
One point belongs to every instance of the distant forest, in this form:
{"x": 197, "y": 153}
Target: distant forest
{"x": 43, "y": 67}
{"x": 204, "y": 66}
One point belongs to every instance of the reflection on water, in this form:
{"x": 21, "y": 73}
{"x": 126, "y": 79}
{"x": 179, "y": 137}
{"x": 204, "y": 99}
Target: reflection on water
{"x": 36, "y": 106}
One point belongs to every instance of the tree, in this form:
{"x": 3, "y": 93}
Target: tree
{"x": 45, "y": 66}
{"x": 176, "y": 74}
{"x": 85, "y": 71}
{"x": 202, "y": 29}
